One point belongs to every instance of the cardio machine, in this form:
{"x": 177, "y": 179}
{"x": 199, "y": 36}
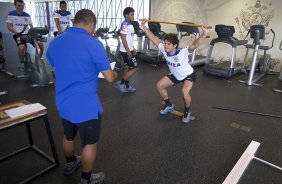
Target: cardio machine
{"x": 3, "y": 67}
{"x": 226, "y": 68}
{"x": 194, "y": 60}
{"x": 148, "y": 55}
{"x": 140, "y": 34}
{"x": 280, "y": 74}
{"x": 35, "y": 71}
{"x": 114, "y": 56}
{"x": 257, "y": 33}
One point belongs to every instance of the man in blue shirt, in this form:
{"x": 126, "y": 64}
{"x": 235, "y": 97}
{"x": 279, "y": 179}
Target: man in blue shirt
{"x": 78, "y": 58}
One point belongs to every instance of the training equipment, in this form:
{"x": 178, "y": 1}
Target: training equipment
{"x": 242, "y": 164}
{"x": 187, "y": 30}
{"x": 180, "y": 114}
{"x": 35, "y": 71}
{"x": 280, "y": 74}
{"x": 114, "y": 56}
{"x": 248, "y": 112}
{"x": 148, "y": 55}
{"x": 3, "y": 68}
{"x": 177, "y": 23}
{"x": 226, "y": 68}
{"x": 140, "y": 34}
{"x": 257, "y": 33}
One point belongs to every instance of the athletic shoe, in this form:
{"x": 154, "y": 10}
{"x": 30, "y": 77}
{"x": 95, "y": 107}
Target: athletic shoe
{"x": 167, "y": 109}
{"x": 71, "y": 167}
{"x": 97, "y": 178}
{"x": 130, "y": 89}
{"x": 186, "y": 119}
{"x": 120, "y": 87}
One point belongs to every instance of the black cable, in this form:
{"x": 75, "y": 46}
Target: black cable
{"x": 248, "y": 112}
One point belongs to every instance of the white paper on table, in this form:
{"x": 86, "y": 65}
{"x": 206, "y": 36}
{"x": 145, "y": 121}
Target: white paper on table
{"x": 112, "y": 66}
{"x": 24, "y": 110}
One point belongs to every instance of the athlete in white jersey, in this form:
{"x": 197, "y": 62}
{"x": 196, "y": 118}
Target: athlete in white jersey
{"x": 181, "y": 70}
{"x": 127, "y": 51}
{"x": 62, "y": 19}
{"x": 18, "y": 22}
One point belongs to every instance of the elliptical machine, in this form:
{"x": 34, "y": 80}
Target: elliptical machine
{"x": 3, "y": 68}
{"x": 280, "y": 74}
{"x": 150, "y": 56}
{"x": 257, "y": 32}
{"x": 114, "y": 56}
{"x": 35, "y": 71}
{"x": 194, "y": 60}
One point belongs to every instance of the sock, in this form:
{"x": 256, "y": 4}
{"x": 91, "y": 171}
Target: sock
{"x": 126, "y": 84}
{"x": 167, "y": 103}
{"x": 71, "y": 159}
{"x": 86, "y": 175}
{"x": 186, "y": 111}
{"x": 122, "y": 81}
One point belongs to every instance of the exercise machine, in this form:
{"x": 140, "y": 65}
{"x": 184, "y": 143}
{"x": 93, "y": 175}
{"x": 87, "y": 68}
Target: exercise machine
{"x": 194, "y": 60}
{"x": 257, "y": 33}
{"x": 114, "y": 56}
{"x": 242, "y": 164}
{"x": 3, "y": 67}
{"x": 140, "y": 35}
{"x": 226, "y": 68}
{"x": 35, "y": 71}
{"x": 148, "y": 55}
{"x": 280, "y": 74}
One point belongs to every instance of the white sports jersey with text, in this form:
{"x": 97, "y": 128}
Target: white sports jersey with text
{"x": 64, "y": 19}
{"x": 127, "y": 29}
{"x": 19, "y": 21}
{"x": 178, "y": 63}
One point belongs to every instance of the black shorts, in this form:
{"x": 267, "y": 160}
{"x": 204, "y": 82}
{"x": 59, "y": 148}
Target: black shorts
{"x": 130, "y": 62}
{"x": 20, "y": 41}
{"x": 55, "y": 33}
{"x": 89, "y": 130}
{"x": 192, "y": 77}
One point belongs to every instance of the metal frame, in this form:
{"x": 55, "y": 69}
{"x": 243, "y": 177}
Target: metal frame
{"x": 109, "y": 13}
{"x": 54, "y": 161}
{"x": 242, "y": 164}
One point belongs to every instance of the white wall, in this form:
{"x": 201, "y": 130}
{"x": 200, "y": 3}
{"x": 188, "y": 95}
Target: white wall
{"x": 227, "y": 12}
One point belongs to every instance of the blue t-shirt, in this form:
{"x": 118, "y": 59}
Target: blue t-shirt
{"x": 77, "y": 58}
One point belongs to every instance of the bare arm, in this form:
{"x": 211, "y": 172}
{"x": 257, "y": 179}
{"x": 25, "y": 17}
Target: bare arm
{"x": 199, "y": 40}
{"x": 149, "y": 34}
{"x": 57, "y": 21}
{"x": 10, "y": 28}
{"x": 109, "y": 75}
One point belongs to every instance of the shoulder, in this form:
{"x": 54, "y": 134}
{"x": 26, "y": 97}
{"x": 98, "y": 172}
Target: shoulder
{"x": 26, "y": 14}
{"x": 68, "y": 13}
{"x": 12, "y": 13}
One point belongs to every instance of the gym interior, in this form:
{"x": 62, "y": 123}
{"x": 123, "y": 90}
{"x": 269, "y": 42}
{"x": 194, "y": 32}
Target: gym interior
{"x": 235, "y": 136}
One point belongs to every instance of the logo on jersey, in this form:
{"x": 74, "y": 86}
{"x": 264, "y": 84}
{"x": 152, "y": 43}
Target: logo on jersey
{"x": 175, "y": 58}
{"x": 173, "y": 64}
{"x": 123, "y": 27}
{"x": 26, "y": 19}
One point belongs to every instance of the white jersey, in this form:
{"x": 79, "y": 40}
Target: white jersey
{"x": 178, "y": 63}
{"x": 64, "y": 19}
{"x": 19, "y": 21}
{"x": 127, "y": 29}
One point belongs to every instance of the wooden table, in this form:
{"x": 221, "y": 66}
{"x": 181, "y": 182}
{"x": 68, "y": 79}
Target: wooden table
{"x": 6, "y": 123}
